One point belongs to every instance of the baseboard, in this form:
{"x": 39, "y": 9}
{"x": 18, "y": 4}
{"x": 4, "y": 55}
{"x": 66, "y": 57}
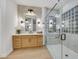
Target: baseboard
{"x": 3, "y": 55}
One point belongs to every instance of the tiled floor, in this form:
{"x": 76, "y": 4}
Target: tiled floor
{"x": 30, "y": 53}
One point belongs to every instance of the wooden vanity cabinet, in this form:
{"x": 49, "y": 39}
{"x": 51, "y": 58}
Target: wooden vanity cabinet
{"x": 25, "y": 41}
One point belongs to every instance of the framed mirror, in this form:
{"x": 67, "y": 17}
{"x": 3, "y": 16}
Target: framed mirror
{"x": 30, "y": 23}
{"x": 51, "y": 24}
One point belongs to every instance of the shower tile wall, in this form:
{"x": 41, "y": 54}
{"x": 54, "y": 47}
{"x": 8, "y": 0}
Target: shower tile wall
{"x": 71, "y": 29}
{"x": 70, "y": 19}
{"x": 71, "y": 42}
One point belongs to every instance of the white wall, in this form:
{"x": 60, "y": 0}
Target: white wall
{"x": 70, "y": 4}
{"x": 0, "y": 30}
{"x": 71, "y": 39}
{"x": 2, "y": 6}
{"x": 44, "y": 13}
{"x": 8, "y": 21}
{"x": 0, "y": 26}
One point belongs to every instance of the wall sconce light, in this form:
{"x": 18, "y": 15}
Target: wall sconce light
{"x": 22, "y": 22}
{"x": 38, "y": 22}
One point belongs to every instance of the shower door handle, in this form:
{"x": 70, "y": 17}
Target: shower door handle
{"x": 63, "y": 36}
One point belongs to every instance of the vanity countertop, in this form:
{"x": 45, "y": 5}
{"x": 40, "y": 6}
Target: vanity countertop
{"x": 29, "y": 34}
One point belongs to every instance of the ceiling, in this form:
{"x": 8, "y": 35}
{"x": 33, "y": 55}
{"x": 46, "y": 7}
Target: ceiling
{"x": 40, "y": 3}
{"x": 36, "y": 3}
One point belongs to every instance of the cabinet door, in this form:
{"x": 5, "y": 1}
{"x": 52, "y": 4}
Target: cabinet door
{"x": 34, "y": 40}
{"x": 40, "y": 40}
{"x": 26, "y": 41}
{"x": 37, "y": 40}
{"x": 16, "y": 42}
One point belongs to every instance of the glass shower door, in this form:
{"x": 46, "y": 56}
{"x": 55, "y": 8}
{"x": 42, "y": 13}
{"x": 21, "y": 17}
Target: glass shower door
{"x": 61, "y": 34}
{"x": 53, "y": 31}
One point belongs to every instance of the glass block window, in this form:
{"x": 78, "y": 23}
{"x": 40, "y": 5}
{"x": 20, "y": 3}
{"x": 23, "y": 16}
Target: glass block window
{"x": 70, "y": 19}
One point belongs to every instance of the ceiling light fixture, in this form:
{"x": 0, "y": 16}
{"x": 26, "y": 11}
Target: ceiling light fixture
{"x": 30, "y": 12}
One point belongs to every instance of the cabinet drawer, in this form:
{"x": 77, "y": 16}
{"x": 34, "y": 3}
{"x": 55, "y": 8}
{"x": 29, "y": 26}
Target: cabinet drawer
{"x": 40, "y": 36}
{"x": 16, "y": 37}
{"x": 17, "y": 40}
{"x": 17, "y": 45}
{"x": 25, "y": 43}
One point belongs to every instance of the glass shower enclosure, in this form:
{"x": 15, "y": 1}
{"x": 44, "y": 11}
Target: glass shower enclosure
{"x": 61, "y": 31}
